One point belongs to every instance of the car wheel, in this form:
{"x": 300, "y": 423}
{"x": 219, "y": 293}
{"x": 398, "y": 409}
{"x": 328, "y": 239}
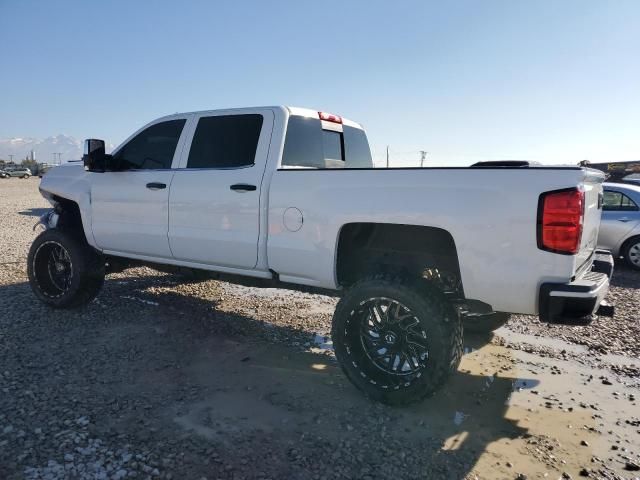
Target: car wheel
{"x": 25, "y": 176}
{"x": 396, "y": 339}
{"x": 484, "y": 323}
{"x": 64, "y": 271}
{"x": 631, "y": 252}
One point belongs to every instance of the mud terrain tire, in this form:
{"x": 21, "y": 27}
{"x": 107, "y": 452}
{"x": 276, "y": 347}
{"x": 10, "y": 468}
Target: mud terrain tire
{"x": 64, "y": 271}
{"x": 397, "y": 339}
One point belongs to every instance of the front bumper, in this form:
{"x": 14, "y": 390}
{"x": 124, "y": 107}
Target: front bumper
{"x": 577, "y": 302}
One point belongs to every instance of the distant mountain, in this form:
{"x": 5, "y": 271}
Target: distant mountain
{"x": 69, "y": 147}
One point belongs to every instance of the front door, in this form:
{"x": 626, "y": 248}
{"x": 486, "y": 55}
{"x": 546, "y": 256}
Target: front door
{"x": 214, "y": 203}
{"x": 130, "y": 205}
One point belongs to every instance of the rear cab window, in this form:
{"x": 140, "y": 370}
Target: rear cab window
{"x": 312, "y": 143}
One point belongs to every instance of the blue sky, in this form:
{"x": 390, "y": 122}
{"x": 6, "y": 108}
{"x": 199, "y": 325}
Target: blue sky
{"x": 554, "y": 81}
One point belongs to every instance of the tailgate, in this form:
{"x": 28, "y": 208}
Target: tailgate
{"x": 592, "y": 185}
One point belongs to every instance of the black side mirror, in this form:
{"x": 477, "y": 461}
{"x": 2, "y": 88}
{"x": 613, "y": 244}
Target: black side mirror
{"x": 95, "y": 159}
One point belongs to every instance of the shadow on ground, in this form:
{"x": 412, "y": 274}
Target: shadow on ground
{"x": 624, "y": 276}
{"x": 217, "y": 394}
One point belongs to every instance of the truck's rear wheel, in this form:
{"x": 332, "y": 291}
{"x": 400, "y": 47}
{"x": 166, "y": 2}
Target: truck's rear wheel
{"x": 64, "y": 271}
{"x": 396, "y": 339}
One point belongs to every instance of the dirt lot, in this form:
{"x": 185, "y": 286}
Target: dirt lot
{"x": 163, "y": 379}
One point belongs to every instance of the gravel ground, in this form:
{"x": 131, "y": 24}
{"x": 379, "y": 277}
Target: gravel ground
{"x": 161, "y": 378}
{"x": 605, "y": 335}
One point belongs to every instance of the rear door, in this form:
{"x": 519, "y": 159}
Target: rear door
{"x": 214, "y": 203}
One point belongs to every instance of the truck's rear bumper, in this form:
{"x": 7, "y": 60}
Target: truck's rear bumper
{"x": 575, "y": 303}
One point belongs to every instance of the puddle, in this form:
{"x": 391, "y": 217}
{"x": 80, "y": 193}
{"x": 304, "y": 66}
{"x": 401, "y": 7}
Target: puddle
{"x": 553, "y": 343}
{"x": 141, "y": 300}
{"x": 620, "y": 359}
{"x": 543, "y": 416}
{"x": 506, "y": 412}
{"x": 322, "y": 342}
{"x": 560, "y": 345}
{"x": 458, "y": 418}
{"x": 520, "y": 384}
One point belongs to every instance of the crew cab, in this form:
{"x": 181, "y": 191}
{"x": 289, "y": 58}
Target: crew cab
{"x": 284, "y": 196}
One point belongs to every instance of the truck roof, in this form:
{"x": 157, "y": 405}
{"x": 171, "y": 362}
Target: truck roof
{"x": 299, "y": 111}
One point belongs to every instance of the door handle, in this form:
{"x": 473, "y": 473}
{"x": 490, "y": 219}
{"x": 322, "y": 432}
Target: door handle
{"x": 156, "y": 186}
{"x": 623, "y": 219}
{"x": 243, "y": 187}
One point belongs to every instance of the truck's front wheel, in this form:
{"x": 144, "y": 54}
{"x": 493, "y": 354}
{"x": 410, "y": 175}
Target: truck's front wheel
{"x": 64, "y": 271}
{"x": 396, "y": 339}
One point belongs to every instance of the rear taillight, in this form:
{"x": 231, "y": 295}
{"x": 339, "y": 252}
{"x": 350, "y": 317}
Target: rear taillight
{"x": 560, "y": 217}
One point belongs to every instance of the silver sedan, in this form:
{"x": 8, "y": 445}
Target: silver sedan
{"x": 620, "y": 227}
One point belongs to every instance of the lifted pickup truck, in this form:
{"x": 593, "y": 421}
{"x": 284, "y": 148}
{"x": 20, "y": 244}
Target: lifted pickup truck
{"x": 289, "y": 197}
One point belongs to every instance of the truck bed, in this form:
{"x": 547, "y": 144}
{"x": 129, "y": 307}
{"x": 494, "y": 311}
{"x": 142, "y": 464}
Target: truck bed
{"x": 491, "y": 213}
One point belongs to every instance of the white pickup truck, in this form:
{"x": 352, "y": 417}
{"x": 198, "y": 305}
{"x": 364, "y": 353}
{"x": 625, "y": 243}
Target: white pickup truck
{"x": 289, "y": 197}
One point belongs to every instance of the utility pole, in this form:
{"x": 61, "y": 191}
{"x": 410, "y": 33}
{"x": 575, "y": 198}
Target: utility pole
{"x": 11, "y": 158}
{"x": 423, "y": 157}
{"x": 387, "y": 156}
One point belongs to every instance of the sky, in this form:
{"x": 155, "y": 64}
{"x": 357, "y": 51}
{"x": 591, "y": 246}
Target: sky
{"x": 549, "y": 81}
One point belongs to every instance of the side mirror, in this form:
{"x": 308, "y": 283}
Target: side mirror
{"x": 95, "y": 159}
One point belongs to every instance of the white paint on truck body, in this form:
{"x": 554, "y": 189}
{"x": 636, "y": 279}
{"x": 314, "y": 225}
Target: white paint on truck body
{"x": 491, "y": 214}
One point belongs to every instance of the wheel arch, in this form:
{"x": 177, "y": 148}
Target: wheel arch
{"x": 365, "y": 247}
{"x": 73, "y": 216}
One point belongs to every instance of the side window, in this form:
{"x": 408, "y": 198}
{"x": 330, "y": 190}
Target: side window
{"x": 227, "y": 141}
{"x": 333, "y": 149}
{"x": 151, "y": 149}
{"x": 303, "y": 145}
{"x": 308, "y": 145}
{"x": 357, "y": 152}
{"x": 617, "y": 201}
